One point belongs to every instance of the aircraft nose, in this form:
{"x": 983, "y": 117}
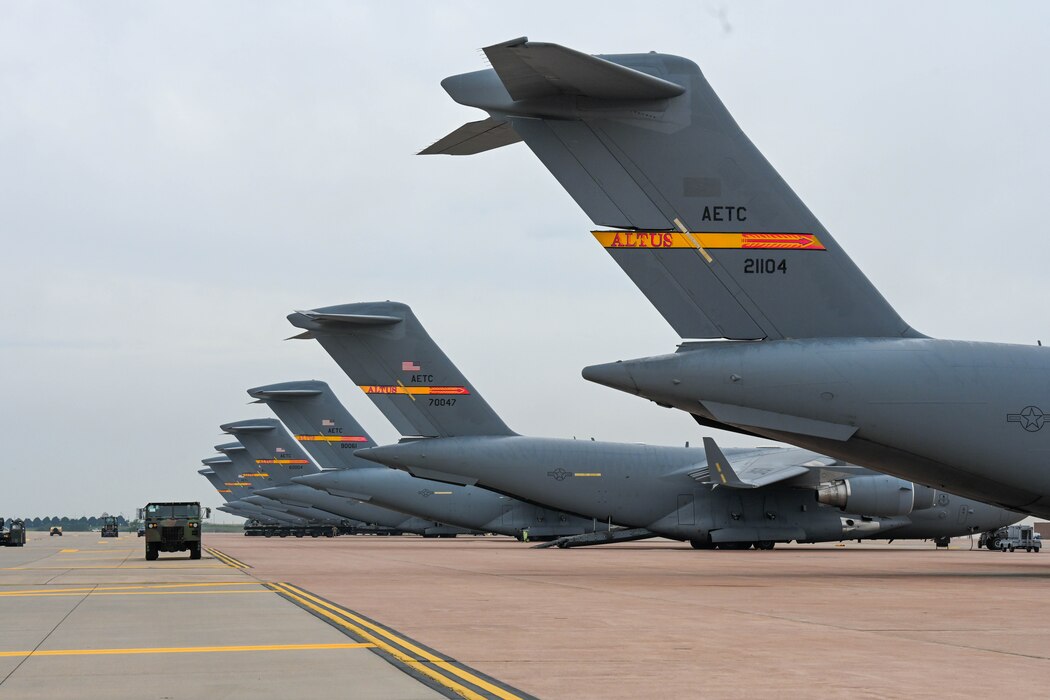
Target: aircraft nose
{"x": 611, "y": 374}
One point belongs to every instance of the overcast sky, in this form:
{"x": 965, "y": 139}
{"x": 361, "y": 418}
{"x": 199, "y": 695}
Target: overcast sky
{"x": 176, "y": 177}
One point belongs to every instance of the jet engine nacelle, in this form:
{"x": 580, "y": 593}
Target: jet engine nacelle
{"x": 875, "y": 495}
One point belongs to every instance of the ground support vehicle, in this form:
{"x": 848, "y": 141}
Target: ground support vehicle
{"x": 1010, "y": 538}
{"x": 173, "y": 527}
{"x": 110, "y": 527}
{"x": 55, "y": 530}
{"x": 14, "y": 535}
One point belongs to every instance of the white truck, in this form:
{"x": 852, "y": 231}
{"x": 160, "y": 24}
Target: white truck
{"x": 1010, "y": 538}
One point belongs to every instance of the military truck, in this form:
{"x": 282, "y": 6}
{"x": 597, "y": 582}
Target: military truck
{"x": 173, "y": 527}
{"x": 1011, "y": 537}
{"x": 109, "y": 527}
{"x": 13, "y": 536}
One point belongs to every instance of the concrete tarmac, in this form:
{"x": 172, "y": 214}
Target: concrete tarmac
{"x": 85, "y": 617}
{"x": 659, "y": 619}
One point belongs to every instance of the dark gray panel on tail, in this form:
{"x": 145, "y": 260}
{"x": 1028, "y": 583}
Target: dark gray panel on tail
{"x": 385, "y": 350}
{"x": 317, "y": 419}
{"x": 745, "y": 259}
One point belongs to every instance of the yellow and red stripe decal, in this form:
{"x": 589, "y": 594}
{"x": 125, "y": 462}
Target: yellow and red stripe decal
{"x": 331, "y": 438}
{"x": 223, "y": 490}
{"x": 238, "y": 483}
{"x": 282, "y": 461}
{"x": 711, "y": 241}
{"x": 263, "y": 475}
{"x": 427, "y": 390}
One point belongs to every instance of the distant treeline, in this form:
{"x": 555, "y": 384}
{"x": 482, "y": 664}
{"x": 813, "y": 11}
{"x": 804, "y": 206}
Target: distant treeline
{"x": 81, "y": 524}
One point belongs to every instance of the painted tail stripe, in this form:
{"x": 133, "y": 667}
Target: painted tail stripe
{"x": 331, "y": 438}
{"x": 425, "y": 390}
{"x": 282, "y": 461}
{"x": 711, "y": 241}
{"x": 470, "y": 683}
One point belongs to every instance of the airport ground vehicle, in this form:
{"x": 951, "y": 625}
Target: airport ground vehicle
{"x": 173, "y": 527}
{"x": 1011, "y": 537}
{"x": 55, "y": 530}
{"x": 109, "y": 527}
{"x": 13, "y": 536}
{"x": 141, "y": 532}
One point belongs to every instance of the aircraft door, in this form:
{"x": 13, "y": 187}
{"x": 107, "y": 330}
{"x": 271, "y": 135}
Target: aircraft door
{"x": 685, "y": 509}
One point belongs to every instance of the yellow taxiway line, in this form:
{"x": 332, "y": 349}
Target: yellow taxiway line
{"x": 417, "y": 659}
{"x": 88, "y": 589}
{"x": 227, "y": 559}
{"x": 184, "y": 650}
{"x": 59, "y": 594}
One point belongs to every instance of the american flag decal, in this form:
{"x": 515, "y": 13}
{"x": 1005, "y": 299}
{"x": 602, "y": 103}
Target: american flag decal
{"x": 327, "y": 423}
{"x": 409, "y": 366}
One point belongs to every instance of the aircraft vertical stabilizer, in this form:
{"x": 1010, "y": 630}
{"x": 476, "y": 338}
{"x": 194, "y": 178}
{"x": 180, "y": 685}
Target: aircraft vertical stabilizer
{"x": 318, "y": 421}
{"x": 385, "y": 350}
{"x": 702, "y": 223}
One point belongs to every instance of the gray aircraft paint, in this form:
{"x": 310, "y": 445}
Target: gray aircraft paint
{"x": 326, "y": 430}
{"x": 383, "y": 348}
{"x": 224, "y": 492}
{"x": 270, "y": 446}
{"x": 230, "y": 474}
{"x": 223, "y": 475}
{"x": 243, "y": 477}
{"x": 836, "y": 369}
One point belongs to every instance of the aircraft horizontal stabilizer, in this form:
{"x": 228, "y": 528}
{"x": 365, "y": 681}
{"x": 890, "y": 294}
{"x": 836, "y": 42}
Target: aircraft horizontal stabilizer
{"x": 721, "y": 473}
{"x": 351, "y": 319}
{"x": 474, "y": 137}
{"x": 531, "y": 70}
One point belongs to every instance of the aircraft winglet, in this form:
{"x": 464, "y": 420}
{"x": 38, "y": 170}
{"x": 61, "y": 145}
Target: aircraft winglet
{"x": 720, "y": 470}
{"x": 721, "y": 473}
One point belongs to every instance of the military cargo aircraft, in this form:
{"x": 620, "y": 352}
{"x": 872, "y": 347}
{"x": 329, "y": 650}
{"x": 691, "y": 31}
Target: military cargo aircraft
{"x": 226, "y": 493}
{"x": 730, "y": 498}
{"x": 316, "y": 418}
{"x": 272, "y": 449}
{"x": 242, "y": 488}
{"x": 810, "y": 352}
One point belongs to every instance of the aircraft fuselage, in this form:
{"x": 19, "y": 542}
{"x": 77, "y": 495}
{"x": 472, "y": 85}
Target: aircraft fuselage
{"x": 937, "y": 412}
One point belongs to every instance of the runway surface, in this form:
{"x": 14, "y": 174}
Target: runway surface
{"x": 659, "y": 619}
{"x": 404, "y": 617}
{"x": 85, "y": 617}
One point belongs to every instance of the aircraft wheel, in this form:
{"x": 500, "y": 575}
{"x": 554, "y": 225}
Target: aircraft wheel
{"x": 563, "y": 545}
{"x": 1011, "y": 548}
{"x": 315, "y": 534}
{"x": 942, "y": 541}
{"x": 994, "y": 544}
{"x": 700, "y": 544}
{"x": 765, "y": 544}
{"x": 1028, "y": 549}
